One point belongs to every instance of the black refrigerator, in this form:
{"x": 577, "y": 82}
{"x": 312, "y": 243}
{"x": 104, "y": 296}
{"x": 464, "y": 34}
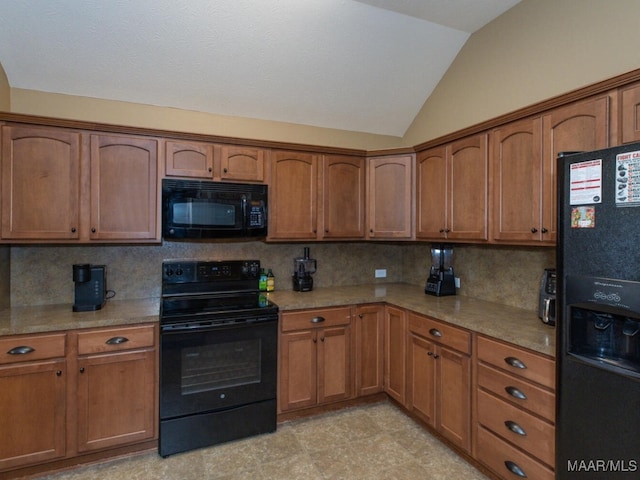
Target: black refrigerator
{"x": 598, "y": 315}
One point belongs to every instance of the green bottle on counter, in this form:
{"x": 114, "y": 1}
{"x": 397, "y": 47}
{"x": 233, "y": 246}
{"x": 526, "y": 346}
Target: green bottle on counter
{"x": 262, "y": 281}
{"x": 271, "y": 281}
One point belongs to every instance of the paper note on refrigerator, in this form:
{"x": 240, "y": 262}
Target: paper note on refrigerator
{"x": 586, "y": 182}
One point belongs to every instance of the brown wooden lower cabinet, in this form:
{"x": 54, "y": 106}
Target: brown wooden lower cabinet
{"x": 395, "y": 349}
{"x": 515, "y": 410}
{"x": 439, "y": 378}
{"x": 369, "y": 349}
{"x": 315, "y": 358}
{"x": 69, "y": 393}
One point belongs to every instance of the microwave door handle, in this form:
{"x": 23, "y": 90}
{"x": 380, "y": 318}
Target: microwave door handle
{"x": 545, "y": 313}
{"x": 243, "y": 207}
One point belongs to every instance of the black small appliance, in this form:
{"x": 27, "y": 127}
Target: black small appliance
{"x": 90, "y": 287}
{"x": 441, "y": 280}
{"x": 547, "y": 297}
{"x": 303, "y": 267}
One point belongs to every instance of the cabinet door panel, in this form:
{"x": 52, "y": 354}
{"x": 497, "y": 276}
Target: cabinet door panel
{"x": 432, "y": 202}
{"x": 189, "y": 159}
{"x": 454, "y": 386}
{"x": 115, "y": 392}
{"x": 293, "y": 202}
{"x": 298, "y": 366}
{"x": 517, "y": 181}
{"x": 369, "y": 333}
{"x": 40, "y": 183}
{"x": 631, "y": 114}
{"x": 343, "y": 201}
{"x": 242, "y": 163}
{"x": 32, "y": 418}
{"x": 421, "y": 397}
{"x": 581, "y": 126}
{"x": 395, "y": 341}
{"x": 334, "y": 363}
{"x": 390, "y": 197}
{"x": 123, "y": 188}
{"x": 468, "y": 163}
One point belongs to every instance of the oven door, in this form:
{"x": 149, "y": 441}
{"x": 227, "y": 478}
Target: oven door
{"x": 214, "y": 368}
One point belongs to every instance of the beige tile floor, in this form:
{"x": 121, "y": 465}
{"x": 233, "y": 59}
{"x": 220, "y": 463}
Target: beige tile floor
{"x": 367, "y": 442}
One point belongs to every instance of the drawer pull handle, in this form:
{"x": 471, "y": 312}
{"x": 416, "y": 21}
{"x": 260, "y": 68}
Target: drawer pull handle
{"x": 515, "y": 469}
{"x": 515, "y": 428}
{"x": 435, "y": 332}
{"x": 515, "y": 363}
{"x": 116, "y": 340}
{"x": 22, "y": 350}
{"x": 317, "y": 320}
{"x": 514, "y": 392}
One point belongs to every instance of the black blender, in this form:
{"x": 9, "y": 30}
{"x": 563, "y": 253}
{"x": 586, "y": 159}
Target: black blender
{"x": 441, "y": 280}
{"x": 303, "y": 267}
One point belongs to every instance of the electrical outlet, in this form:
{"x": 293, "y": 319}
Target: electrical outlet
{"x": 457, "y": 282}
{"x": 381, "y": 273}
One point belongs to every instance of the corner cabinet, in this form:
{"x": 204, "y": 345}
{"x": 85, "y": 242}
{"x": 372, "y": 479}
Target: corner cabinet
{"x": 390, "y": 197}
{"x": 62, "y": 185}
{"x": 315, "y": 366}
{"x": 452, "y": 191}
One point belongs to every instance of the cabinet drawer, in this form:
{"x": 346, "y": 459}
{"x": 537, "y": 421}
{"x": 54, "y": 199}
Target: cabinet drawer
{"x": 517, "y": 426}
{"x": 115, "y": 339}
{"x": 321, "y": 317}
{"x": 442, "y": 333}
{"x": 519, "y": 362}
{"x": 15, "y": 349}
{"x": 505, "y": 459}
{"x": 510, "y": 388}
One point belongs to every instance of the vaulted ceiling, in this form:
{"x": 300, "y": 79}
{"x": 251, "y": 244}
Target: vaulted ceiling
{"x": 360, "y": 65}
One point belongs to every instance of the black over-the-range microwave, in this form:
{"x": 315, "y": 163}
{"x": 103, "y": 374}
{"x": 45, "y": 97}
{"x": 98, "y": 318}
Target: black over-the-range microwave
{"x": 208, "y": 209}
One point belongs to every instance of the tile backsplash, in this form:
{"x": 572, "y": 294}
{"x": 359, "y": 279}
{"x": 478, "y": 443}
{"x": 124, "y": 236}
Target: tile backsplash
{"x": 42, "y": 274}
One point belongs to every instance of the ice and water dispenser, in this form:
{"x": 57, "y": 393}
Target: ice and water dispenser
{"x": 604, "y": 322}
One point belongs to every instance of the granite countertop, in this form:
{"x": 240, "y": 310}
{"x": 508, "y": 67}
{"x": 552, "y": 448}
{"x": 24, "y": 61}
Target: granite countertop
{"x": 514, "y": 325}
{"x": 46, "y": 318}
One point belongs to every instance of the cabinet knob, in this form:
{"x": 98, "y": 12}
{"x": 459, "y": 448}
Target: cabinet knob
{"x": 73, "y": 229}
{"x": 544, "y": 230}
{"x": 534, "y": 230}
{"x": 81, "y": 369}
{"x": 225, "y": 170}
{"x": 322, "y": 339}
{"x": 447, "y": 230}
{"x": 93, "y": 230}
{"x": 317, "y": 319}
{"x": 210, "y": 169}
{"x": 442, "y": 230}
{"x": 59, "y": 373}
{"x": 315, "y": 340}
{"x": 360, "y": 316}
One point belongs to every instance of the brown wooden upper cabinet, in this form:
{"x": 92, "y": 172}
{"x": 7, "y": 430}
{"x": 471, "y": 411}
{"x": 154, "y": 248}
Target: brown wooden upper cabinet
{"x": 390, "y": 197}
{"x": 65, "y": 185}
{"x": 40, "y": 183}
{"x": 452, "y": 191}
{"x": 630, "y": 126}
{"x": 124, "y": 188}
{"x": 581, "y": 126}
{"x": 342, "y": 214}
{"x": 218, "y": 162}
{"x": 293, "y": 196}
{"x": 516, "y": 171}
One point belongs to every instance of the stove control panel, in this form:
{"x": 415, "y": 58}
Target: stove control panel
{"x": 194, "y": 271}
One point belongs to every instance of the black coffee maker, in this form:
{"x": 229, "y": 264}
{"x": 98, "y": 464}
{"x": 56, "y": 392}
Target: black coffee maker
{"x": 90, "y": 287}
{"x": 441, "y": 280}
